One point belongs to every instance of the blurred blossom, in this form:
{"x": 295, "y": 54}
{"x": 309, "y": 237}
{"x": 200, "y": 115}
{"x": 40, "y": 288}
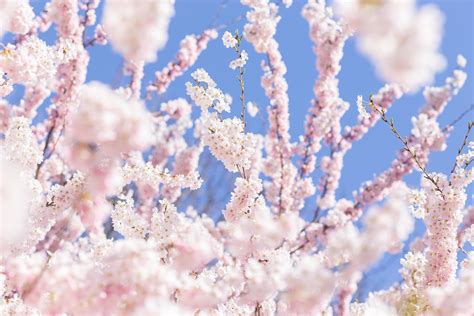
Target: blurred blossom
{"x": 138, "y": 29}
{"x": 400, "y": 39}
{"x": 13, "y": 205}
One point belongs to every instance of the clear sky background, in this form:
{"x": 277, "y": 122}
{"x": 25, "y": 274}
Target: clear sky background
{"x": 371, "y": 155}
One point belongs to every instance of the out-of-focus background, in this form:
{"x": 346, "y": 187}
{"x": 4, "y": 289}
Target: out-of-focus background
{"x": 369, "y": 156}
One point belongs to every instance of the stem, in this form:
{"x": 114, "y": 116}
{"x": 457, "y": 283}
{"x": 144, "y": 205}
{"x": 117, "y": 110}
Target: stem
{"x": 469, "y": 127}
{"x": 460, "y": 117}
{"x": 86, "y": 20}
{"x": 242, "y": 97}
{"x": 45, "y": 148}
{"x": 241, "y": 80}
{"x": 406, "y": 147}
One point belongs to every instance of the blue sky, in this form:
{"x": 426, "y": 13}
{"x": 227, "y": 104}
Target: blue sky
{"x": 369, "y": 156}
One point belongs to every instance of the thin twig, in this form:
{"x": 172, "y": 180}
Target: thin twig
{"x": 86, "y": 20}
{"x": 468, "y": 163}
{"x": 241, "y": 78}
{"x": 469, "y": 127}
{"x": 45, "y": 148}
{"x": 230, "y": 22}
{"x": 217, "y": 15}
{"x": 460, "y": 117}
{"x": 406, "y": 147}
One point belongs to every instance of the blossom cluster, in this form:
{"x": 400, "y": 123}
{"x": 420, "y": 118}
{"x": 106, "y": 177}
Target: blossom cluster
{"x": 401, "y": 30}
{"x": 97, "y": 213}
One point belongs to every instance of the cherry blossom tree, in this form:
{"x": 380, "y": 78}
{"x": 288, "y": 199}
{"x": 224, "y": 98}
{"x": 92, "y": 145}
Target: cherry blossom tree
{"x": 99, "y": 210}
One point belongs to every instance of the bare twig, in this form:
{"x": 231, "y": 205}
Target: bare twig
{"x": 240, "y": 78}
{"x": 218, "y": 13}
{"x": 235, "y": 20}
{"x": 469, "y": 128}
{"x": 457, "y": 119}
{"x": 45, "y": 148}
{"x": 468, "y": 163}
{"x": 406, "y": 147}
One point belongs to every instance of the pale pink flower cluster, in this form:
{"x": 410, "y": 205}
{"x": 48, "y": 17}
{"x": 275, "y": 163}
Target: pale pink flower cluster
{"x": 7, "y": 9}
{"x": 206, "y": 94}
{"x": 444, "y": 215}
{"x": 65, "y": 14}
{"x": 99, "y": 214}
{"x": 126, "y": 221}
{"x": 447, "y": 301}
{"x": 138, "y": 30}
{"x": 417, "y": 200}
{"x": 228, "y": 142}
{"x": 413, "y": 269}
{"x": 190, "y": 49}
{"x": 303, "y": 296}
{"x": 353, "y": 251}
{"x": 107, "y": 119}
{"x": 16, "y": 16}
{"x": 170, "y": 137}
{"x": 461, "y": 61}
{"x": 322, "y": 121}
{"x": 361, "y": 108}
{"x": 229, "y": 40}
{"x": 388, "y": 31}
{"x": 466, "y": 232}
{"x": 33, "y": 63}
{"x": 243, "y": 198}
{"x": 252, "y": 109}
{"x": 260, "y": 29}
{"x": 104, "y": 126}
{"x": 240, "y": 61}
{"x": 147, "y": 174}
{"x": 14, "y": 210}
{"x": 347, "y": 244}
{"x": 262, "y": 22}
{"x": 20, "y": 145}
{"x": 226, "y": 138}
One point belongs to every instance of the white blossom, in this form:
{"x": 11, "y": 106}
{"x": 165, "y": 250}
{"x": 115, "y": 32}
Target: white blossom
{"x": 229, "y": 40}
{"x": 361, "y": 108}
{"x": 461, "y": 61}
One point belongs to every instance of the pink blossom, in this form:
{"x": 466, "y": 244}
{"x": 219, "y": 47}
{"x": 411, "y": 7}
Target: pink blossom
{"x": 398, "y": 29}
{"x": 14, "y": 210}
{"x": 17, "y": 16}
{"x": 138, "y": 30}
{"x": 108, "y": 120}
{"x": 190, "y": 49}
{"x": 260, "y": 31}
